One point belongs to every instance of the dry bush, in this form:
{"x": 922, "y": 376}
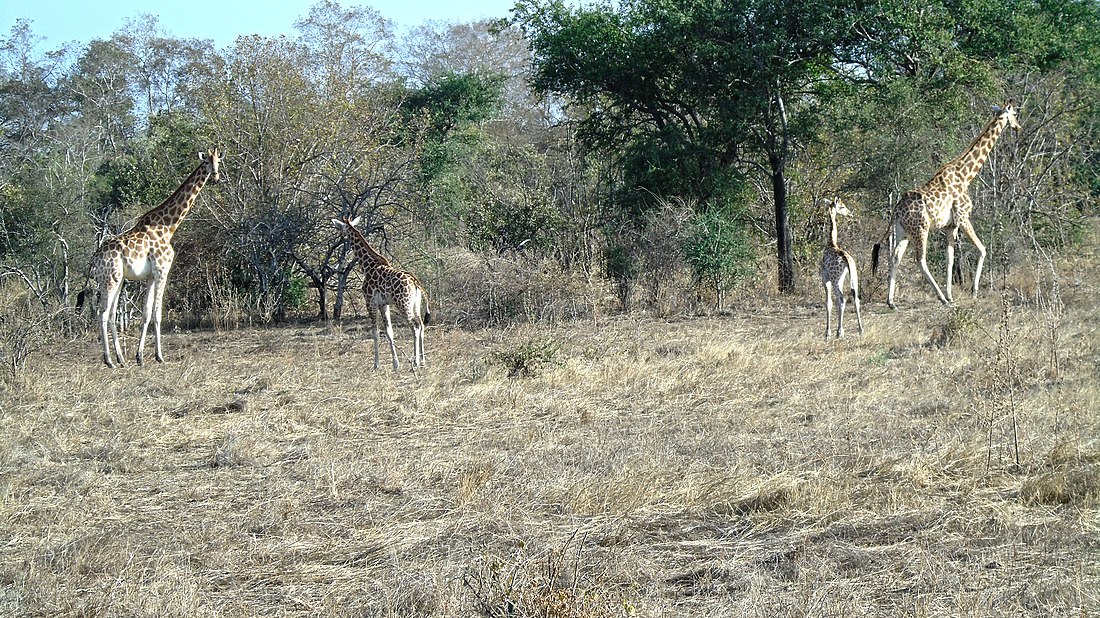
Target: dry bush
{"x": 478, "y": 290}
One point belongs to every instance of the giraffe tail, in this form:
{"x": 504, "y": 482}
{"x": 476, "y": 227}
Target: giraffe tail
{"x": 427, "y": 312}
{"x": 877, "y": 248}
{"x": 89, "y": 288}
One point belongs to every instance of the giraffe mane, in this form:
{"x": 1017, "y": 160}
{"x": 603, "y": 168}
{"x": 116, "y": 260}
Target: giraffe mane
{"x": 974, "y": 142}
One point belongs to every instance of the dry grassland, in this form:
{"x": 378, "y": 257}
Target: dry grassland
{"x": 730, "y": 465}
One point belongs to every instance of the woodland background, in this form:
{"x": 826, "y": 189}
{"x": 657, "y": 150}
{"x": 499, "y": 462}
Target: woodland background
{"x": 643, "y": 155}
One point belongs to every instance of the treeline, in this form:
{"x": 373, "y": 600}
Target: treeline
{"x": 637, "y": 153}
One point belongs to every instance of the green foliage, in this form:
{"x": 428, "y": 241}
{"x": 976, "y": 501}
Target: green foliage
{"x": 689, "y": 92}
{"x": 719, "y": 249}
{"x": 296, "y": 295}
{"x": 150, "y": 170}
{"x": 644, "y": 101}
{"x": 512, "y": 207}
{"x": 448, "y": 109}
{"x": 452, "y": 102}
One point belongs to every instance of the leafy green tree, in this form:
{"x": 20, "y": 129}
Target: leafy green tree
{"x": 41, "y": 168}
{"x": 719, "y": 250}
{"x": 691, "y": 92}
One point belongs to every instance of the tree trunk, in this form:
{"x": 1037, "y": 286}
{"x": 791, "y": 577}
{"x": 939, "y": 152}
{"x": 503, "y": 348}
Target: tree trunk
{"x": 777, "y": 148}
{"x": 322, "y": 300}
{"x": 341, "y": 288}
{"x": 782, "y": 223}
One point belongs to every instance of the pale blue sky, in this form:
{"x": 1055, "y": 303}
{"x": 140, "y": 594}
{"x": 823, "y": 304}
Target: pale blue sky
{"x": 63, "y": 21}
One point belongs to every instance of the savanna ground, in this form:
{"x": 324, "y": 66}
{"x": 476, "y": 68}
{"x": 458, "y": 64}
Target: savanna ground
{"x": 946, "y": 463}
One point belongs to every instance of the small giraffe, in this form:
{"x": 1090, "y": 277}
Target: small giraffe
{"x": 145, "y": 253}
{"x": 384, "y": 285}
{"x": 836, "y": 265}
{"x": 944, "y": 202}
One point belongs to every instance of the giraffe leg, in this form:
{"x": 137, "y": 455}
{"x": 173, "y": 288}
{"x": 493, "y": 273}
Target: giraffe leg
{"x": 415, "y": 328}
{"x": 840, "y": 304}
{"x": 855, "y": 301}
{"x": 968, "y": 228}
{"x": 420, "y": 337}
{"x": 374, "y": 333}
{"x": 158, "y": 310}
{"x": 922, "y": 256}
{"x": 895, "y": 261}
{"x": 389, "y": 336}
{"x": 828, "y": 309}
{"x": 146, "y": 318}
{"x": 158, "y": 304}
{"x": 421, "y": 326}
{"x": 108, "y": 330}
{"x": 952, "y": 238}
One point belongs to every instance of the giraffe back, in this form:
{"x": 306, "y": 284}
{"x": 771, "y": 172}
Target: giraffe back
{"x": 386, "y": 285}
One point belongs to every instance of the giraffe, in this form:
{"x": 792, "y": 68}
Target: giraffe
{"x": 836, "y": 265}
{"x": 944, "y": 202}
{"x": 145, "y": 253}
{"x": 384, "y": 286}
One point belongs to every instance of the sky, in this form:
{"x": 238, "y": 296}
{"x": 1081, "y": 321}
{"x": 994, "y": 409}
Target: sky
{"x": 80, "y": 21}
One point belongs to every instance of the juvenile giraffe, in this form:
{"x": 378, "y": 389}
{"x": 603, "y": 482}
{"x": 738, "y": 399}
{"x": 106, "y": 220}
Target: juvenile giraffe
{"x": 145, "y": 253}
{"x": 836, "y": 266}
{"x": 944, "y": 202}
{"x": 384, "y": 285}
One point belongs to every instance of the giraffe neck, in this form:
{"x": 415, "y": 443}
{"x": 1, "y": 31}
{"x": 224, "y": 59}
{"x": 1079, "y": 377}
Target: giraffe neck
{"x": 167, "y": 217}
{"x": 832, "y": 230}
{"x": 366, "y": 253}
{"x": 970, "y": 162}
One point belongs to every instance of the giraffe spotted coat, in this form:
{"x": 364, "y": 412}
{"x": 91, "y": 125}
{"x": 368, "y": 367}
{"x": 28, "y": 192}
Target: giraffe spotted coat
{"x": 145, "y": 253}
{"x": 944, "y": 202}
{"x": 386, "y": 286}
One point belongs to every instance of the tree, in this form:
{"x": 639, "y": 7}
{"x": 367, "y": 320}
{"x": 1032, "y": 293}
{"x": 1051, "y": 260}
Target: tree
{"x": 719, "y": 250}
{"x": 691, "y": 92}
{"x": 40, "y": 171}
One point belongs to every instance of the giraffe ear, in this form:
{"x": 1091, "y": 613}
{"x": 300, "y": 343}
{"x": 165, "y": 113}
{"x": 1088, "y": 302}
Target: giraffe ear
{"x": 338, "y": 223}
{"x": 997, "y": 109}
{"x": 354, "y": 222}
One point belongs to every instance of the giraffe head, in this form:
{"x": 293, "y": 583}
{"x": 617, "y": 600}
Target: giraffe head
{"x": 838, "y": 207}
{"x": 368, "y": 254}
{"x": 212, "y": 160}
{"x": 343, "y": 224}
{"x": 1008, "y": 113}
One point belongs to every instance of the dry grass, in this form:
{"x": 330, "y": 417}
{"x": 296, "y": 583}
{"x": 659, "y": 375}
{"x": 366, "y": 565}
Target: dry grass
{"x": 734, "y": 465}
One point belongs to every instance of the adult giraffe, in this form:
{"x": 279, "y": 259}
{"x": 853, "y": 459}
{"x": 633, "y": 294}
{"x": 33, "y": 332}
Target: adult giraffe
{"x": 145, "y": 253}
{"x": 944, "y": 202}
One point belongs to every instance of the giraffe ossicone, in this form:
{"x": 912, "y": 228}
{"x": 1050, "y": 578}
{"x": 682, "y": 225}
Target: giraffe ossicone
{"x": 944, "y": 202}
{"x": 145, "y": 253}
{"x": 837, "y": 267}
{"x": 386, "y": 286}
